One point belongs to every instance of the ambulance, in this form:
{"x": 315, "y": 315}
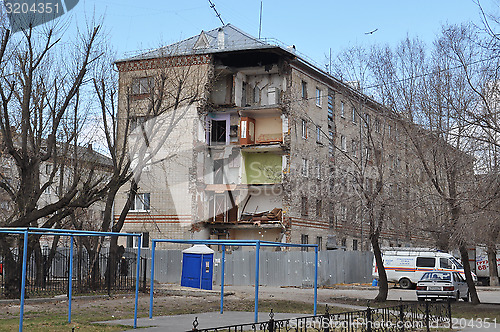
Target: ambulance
{"x": 406, "y": 266}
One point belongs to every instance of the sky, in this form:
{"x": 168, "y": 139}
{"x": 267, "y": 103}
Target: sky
{"x": 314, "y": 26}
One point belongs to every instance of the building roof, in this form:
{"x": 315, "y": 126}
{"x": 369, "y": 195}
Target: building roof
{"x": 229, "y": 38}
{"x": 222, "y": 39}
{"x": 87, "y": 154}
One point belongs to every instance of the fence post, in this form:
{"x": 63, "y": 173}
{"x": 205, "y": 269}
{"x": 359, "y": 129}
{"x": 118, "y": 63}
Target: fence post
{"x": 326, "y": 318}
{"x": 195, "y": 324}
{"x": 427, "y": 316}
{"x": 23, "y": 278}
{"x": 449, "y": 314}
{"x": 70, "y": 278}
{"x": 401, "y": 314}
{"x": 368, "y": 318}
{"x": 110, "y": 270}
{"x": 145, "y": 266}
{"x": 271, "y": 321}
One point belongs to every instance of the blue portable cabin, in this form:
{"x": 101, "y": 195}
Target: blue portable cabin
{"x": 197, "y": 267}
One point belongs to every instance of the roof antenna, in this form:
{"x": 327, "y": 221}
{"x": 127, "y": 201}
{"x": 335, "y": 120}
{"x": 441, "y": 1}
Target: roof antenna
{"x": 212, "y": 5}
{"x": 260, "y": 19}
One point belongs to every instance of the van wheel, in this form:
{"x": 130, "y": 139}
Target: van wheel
{"x": 405, "y": 283}
{"x": 466, "y": 298}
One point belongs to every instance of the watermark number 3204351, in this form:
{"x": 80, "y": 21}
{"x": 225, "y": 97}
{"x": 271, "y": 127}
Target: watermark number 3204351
{"x": 26, "y": 14}
{"x": 34, "y": 8}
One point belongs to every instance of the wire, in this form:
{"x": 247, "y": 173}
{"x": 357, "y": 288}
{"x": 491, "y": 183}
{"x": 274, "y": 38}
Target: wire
{"x": 431, "y": 73}
{"x": 212, "y": 5}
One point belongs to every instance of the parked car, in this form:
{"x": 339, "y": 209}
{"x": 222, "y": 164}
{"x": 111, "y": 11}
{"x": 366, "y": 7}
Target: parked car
{"x": 442, "y": 285}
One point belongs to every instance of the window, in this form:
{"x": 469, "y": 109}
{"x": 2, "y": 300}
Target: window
{"x": 343, "y": 212}
{"x": 354, "y": 244}
{"x": 48, "y": 168}
{"x": 218, "y": 132}
{"x": 133, "y": 241}
{"x": 305, "y": 168}
{"x": 426, "y": 261}
{"x": 318, "y": 170}
{"x": 342, "y": 113}
{"x": 136, "y": 121}
{"x": 343, "y": 243}
{"x": 304, "y": 239}
{"x": 256, "y": 95}
{"x": 318, "y": 97}
{"x": 145, "y": 240}
{"x": 219, "y": 171}
{"x": 445, "y": 263}
{"x": 376, "y": 125}
{"x": 141, "y": 202}
{"x": 304, "y": 90}
{"x": 354, "y": 118}
{"x": 389, "y": 131}
{"x": 331, "y": 146}
{"x": 354, "y": 148}
{"x": 142, "y": 85}
{"x": 331, "y": 221}
{"x": 343, "y": 143}
{"x": 367, "y": 120}
{"x": 303, "y": 205}
{"x": 319, "y": 242}
{"x": 304, "y": 129}
{"x": 318, "y": 134}
{"x": 330, "y": 107}
{"x": 318, "y": 208}
{"x": 368, "y": 154}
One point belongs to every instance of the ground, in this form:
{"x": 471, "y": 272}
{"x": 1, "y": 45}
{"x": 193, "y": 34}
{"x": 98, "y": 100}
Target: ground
{"x": 51, "y": 314}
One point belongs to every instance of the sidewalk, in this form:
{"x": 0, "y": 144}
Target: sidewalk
{"x": 179, "y": 323}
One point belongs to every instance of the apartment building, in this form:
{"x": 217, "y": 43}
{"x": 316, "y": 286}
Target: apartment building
{"x": 266, "y": 151}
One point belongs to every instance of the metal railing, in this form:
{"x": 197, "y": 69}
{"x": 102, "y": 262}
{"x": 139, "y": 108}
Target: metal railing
{"x": 403, "y": 317}
{"x": 49, "y": 276}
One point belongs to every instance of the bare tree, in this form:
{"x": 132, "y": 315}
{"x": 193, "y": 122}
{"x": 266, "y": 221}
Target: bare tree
{"x": 142, "y": 126}
{"x": 371, "y": 183}
{"x": 432, "y": 100}
{"x": 40, "y": 86}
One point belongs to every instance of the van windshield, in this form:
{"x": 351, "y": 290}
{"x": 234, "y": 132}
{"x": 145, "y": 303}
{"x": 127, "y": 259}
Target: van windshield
{"x": 457, "y": 263}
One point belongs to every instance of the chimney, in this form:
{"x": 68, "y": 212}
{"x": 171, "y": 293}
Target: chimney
{"x": 220, "y": 39}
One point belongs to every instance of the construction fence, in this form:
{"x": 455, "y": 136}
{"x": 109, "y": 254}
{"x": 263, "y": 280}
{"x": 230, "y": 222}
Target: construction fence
{"x": 277, "y": 268}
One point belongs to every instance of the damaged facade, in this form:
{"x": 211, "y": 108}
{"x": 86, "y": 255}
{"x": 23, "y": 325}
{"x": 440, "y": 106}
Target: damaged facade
{"x": 255, "y": 156}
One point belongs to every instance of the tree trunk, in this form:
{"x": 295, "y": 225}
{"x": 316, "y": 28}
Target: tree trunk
{"x": 493, "y": 265}
{"x": 115, "y": 253}
{"x": 464, "y": 254}
{"x": 39, "y": 265}
{"x": 51, "y": 256}
{"x": 12, "y": 271}
{"x": 383, "y": 286}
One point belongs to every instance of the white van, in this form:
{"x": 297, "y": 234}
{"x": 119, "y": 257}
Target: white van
{"x": 406, "y": 266}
